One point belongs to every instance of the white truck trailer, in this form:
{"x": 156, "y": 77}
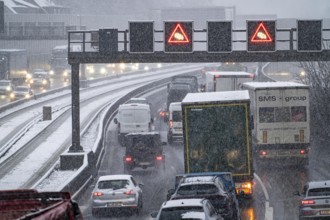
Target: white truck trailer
{"x": 226, "y": 80}
{"x": 281, "y": 121}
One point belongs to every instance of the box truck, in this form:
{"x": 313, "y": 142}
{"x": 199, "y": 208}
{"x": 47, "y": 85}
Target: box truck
{"x": 217, "y": 136}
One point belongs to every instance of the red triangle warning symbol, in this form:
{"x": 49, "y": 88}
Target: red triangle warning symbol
{"x": 261, "y": 35}
{"x": 178, "y": 35}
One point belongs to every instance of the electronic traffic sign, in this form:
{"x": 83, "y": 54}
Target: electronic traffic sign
{"x": 309, "y": 35}
{"x": 141, "y": 37}
{"x": 178, "y": 37}
{"x": 219, "y": 36}
{"x": 261, "y": 36}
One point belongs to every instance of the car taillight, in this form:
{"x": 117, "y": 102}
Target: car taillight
{"x": 128, "y": 159}
{"x": 263, "y": 153}
{"x": 129, "y": 192}
{"x": 307, "y": 202}
{"x": 302, "y": 152}
{"x": 159, "y": 158}
{"x": 97, "y": 194}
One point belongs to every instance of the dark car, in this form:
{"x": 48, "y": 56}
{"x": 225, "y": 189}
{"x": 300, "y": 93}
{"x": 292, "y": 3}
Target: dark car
{"x": 143, "y": 150}
{"x": 315, "y": 200}
{"x": 211, "y": 187}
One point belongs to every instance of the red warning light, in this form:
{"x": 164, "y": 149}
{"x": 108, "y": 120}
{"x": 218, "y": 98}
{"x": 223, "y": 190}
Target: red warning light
{"x": 261, "y": 35}
{"x": 178, "y": 35}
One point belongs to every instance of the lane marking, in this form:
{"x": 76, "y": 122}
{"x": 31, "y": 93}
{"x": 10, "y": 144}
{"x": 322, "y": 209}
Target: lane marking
{"x": 268, "y": 209}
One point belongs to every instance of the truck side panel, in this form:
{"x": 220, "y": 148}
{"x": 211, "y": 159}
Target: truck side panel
{"x": 217, "y": 138}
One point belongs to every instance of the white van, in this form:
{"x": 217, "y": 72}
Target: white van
{"x": 175, "y": 123}
{"x": 133, "y": 118}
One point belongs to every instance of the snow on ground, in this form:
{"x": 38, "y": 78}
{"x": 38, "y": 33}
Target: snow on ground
{"x": 22, "y": 172}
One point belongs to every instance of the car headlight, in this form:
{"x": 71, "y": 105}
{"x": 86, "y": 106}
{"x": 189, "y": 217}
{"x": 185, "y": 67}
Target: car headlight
{"x": 8, "y": 88}
{"x": 44, "y": 82}
{"x": 31, "y": 81}
{"x": 12, "y": 95}
{"x": 27, "y": 96}
{"x": 51, "y": 72}
{"x": 65, "y": 73}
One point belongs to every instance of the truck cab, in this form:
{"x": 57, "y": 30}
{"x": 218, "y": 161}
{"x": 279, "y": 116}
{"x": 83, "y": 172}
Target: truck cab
{"x": 175, "y": 123}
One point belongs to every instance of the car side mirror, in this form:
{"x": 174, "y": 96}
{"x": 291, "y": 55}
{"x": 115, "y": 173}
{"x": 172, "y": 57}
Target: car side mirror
{"x": 141, "y": 184}
{"x": 115, "y": 121}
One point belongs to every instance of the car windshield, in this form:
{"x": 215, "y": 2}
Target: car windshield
{"x": 178, "y": 213}
{"x": 197, "y": 189}
{"x": 113, "y": 184}
{"x": 144, "y": 142}
{"x": 319, "y": 192}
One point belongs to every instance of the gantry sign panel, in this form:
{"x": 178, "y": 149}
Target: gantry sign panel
{"x": 309, "y": 35}
{"x": 219, "y": 36}
{"x": 178, "y": 37}
{"x": 261, "y": 36}
{"x": 141, "y": 37}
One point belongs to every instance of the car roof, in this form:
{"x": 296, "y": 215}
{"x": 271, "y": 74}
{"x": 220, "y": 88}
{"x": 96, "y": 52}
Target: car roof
{"x": 197, "y": 180}
{"x": 151, "y": 133}
{"x": 319, "y": 184}
{"x": 183, "y": 203}
{"x": 115, "y": 177}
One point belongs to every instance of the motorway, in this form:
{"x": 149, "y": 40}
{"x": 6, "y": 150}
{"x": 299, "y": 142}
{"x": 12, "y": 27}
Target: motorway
{"x": 278, "y": 182}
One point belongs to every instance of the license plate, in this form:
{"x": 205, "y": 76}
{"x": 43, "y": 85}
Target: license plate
{"x": 114, "y": 204}
{"x": 144, "y": 163}
{"x": 325, "y": 212}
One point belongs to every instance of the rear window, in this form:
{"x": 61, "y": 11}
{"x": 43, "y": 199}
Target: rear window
{"x": 145, "y": 141}
{"x": 197, "y": 189}
{"x": 178, "y": 213}
{"x": 113, "y": 184}
{"x": 319, "y": 192}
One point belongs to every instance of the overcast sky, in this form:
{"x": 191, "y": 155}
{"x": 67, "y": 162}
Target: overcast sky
{"x": 282, "y": 8}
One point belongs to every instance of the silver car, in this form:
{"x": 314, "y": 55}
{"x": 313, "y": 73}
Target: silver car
{"x": 116, "y": 192}
{"x": 198, "y": 209}
{"x": 315, "y": 200}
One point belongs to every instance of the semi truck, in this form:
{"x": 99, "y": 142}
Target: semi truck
{"x": 13, "y": 65}
{"x": 226, "y": 80}
{"x": 217, "y": 136}
{"x": 281, "y": 121}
